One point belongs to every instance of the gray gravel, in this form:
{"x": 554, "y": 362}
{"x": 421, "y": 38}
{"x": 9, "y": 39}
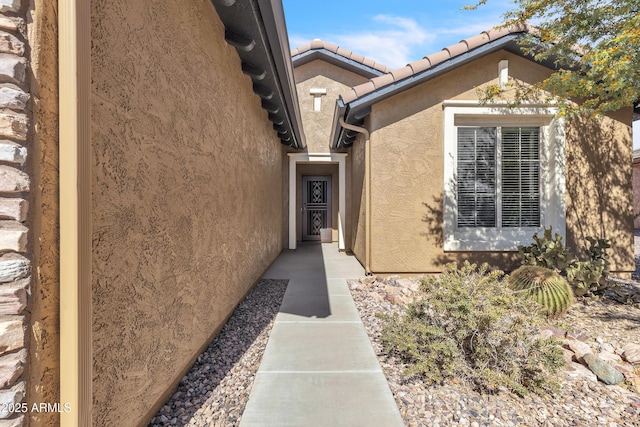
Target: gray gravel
{"x": 216, "y": 389}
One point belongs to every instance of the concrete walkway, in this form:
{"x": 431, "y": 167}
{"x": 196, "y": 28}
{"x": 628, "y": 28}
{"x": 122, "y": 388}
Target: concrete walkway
{"x": 319, "y": 368}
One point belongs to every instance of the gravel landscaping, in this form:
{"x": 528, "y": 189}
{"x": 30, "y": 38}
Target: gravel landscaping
{"x": 216, "y": 389}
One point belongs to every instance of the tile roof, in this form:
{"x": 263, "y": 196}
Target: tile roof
{"x": 432, "y": 60}
{"x": 318, "y": 44}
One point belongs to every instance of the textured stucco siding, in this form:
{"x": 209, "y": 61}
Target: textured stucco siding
{"x": 44, "y": 345}
{"x": 358, "y": 209}
{"x": 187, "y": 196}
{"x": 407, "y": 166}
{"x": 636, "y": 194}
{"x": 321, "y": 75}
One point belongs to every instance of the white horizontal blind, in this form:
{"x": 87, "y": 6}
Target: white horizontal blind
{"x": 480, "y": 202}
{"x": 520, "y": 150}
{"x": 476, "y": 177}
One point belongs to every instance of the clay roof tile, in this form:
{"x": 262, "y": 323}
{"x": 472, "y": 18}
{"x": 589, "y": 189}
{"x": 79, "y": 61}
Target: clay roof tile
{"x": 357, "y": 58}
{"x": 456, "y": 49}
{"x": 476, "y": 41}
{"x": 383, "y": 80}
{"x": 331, "y": 47}
{"x": 317, "y": 44}
{"x": 344, "y": 52}
{"x": 349, "y": 95}
{"x": 420, "y": 65}
{"x": 364, "y": 88}
{"x": 438, "y": 57}
{"x": 402, "y": 73}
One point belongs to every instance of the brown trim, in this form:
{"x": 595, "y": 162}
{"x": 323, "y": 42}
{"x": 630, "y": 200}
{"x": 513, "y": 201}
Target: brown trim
{"x": 74, "y": 23}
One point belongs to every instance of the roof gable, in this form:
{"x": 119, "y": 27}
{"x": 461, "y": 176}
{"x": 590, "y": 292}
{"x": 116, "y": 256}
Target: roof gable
{"x": 333, "y": 54}
{"x": 355, "y": 104}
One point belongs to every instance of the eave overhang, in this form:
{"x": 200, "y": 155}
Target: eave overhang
{"x": 337, "y": 60}
{"x": 354, "y": 112}
{"x": 257, "y": 30}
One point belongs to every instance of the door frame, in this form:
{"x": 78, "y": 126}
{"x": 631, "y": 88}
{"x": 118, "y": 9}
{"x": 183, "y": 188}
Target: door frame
{"x": 327, "y": 158}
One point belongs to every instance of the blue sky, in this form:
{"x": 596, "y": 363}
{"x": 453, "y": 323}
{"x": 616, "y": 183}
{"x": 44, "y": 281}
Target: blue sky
{"x": 393, "y": 32}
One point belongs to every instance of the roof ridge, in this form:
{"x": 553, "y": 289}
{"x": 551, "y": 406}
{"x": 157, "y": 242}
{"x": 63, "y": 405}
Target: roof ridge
{"x": 429, "y": 61}
{"x": 317, "y": 44}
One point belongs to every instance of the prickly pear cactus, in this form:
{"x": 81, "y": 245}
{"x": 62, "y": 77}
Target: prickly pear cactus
{"x": 543, "y": 285}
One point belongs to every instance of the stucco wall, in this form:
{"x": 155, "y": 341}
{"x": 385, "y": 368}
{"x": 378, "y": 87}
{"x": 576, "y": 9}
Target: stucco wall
{"x": 322, "y": 75}
{"x": 357, "y": 213}
{"x": 636, "y": 193}
{"x": 407, "y": 166}
{"x": 187, "y": 196}
{"x": 44, "y": 348}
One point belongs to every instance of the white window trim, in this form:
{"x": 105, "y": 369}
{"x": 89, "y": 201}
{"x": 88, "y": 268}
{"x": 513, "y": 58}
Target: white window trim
{"x": 552, "y": 173}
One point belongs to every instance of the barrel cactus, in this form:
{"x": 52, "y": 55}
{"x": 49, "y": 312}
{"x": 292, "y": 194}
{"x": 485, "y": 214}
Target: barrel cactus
{"x": 543, "y": 285}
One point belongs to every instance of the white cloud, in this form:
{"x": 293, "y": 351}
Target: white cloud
{"x": 390, "y": 41}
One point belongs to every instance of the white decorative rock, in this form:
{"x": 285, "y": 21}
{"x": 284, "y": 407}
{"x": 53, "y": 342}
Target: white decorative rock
{"x": 12, "y": 68}
{"x": 12, "y": 334}
{"x": 13, "y": 236}
{"x": 13, "y": 297}
{"x": 11, "y": 367}
{"x": 9, "y": 398}
{"x": 578, "y": 347}
{"x": 575, "y": 370}
{"x": 13, "y": 267}
{"x": 12, "y": 152}
{"x": 13, "y": 180}
{"x": 13, "y": 125}
{"x": 15, "y": 209}
{"x": 11, "y": 44}
{"x": 10, "y": 23}
{"x": 10, "y": 5}
{"x": 631, "y": 353}
{"x": 13, "y": 98}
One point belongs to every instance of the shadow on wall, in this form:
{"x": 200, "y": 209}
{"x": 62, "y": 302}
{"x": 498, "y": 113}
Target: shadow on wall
{"x": 599, "y": 187}
{"x": 434, "y": 220}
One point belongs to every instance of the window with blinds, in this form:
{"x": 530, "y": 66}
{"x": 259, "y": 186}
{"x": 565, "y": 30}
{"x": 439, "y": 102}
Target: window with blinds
{"x": 498, "y": 177}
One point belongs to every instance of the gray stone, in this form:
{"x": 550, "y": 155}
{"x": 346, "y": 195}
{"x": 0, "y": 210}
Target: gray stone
{"x": 9, "y": 6}
{"x": 608, "y": 356}
{"x": 12, "y": 68}
{"x": 631, "y": 353}
{"x": 13, "y": 267}
{"x": 15, "y": 209}
{"x": 13, "y": 98}
{"x": 9, "y": 398}
{"x": 11, "y": 44}
{"x": 12, "y": 334}
{"x": 13, "y": 236}
{"x": 11, "y": 367}
{"x": 13, "y": 297}
{"x": 12, "y": 152}
{"x": 605, "y": 372}
{"x": 557, "y": 332}
{"x": 13, "y": 126}
{"x": 13, "y": 180}
{"x": 577, "y": 334}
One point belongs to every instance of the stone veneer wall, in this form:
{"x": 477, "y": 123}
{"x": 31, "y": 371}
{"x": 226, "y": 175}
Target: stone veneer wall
{"x": 15, "y": 269}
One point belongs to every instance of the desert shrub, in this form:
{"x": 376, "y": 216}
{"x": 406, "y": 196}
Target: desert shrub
{"x": 587, "y": 276}
{"x": 471, "y": 326}
{"x": 544, "y": 286}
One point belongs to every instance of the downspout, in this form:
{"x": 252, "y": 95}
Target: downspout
{"x": 74, "y": 66}
{"x": 367, "y": 190}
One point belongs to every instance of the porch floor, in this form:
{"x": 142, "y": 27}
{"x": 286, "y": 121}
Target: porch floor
{"x": 319, "y": 368}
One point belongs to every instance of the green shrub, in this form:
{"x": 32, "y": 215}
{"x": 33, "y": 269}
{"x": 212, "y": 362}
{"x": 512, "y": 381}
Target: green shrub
{"x": 544, "y": 286}
{"x": 469, "y": 325}
{"x": 587, "y": 277}
{"x": 546, "y": 251}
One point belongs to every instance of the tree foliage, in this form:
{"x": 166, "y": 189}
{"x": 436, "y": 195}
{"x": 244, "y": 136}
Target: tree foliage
{"x": 595, "y": 45}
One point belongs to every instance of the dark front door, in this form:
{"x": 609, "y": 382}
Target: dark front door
{"x": 316, "y": 207}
